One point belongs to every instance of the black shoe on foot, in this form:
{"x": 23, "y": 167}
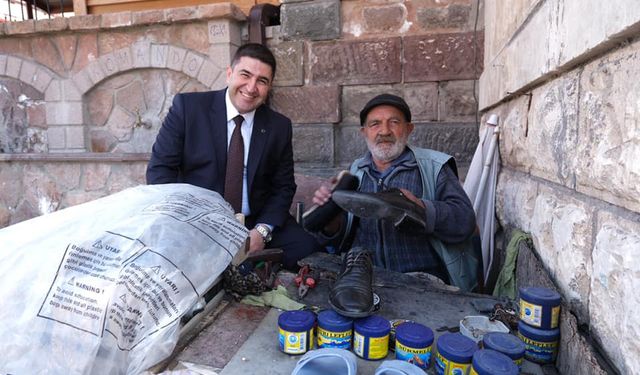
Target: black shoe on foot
{"x": 317, "y": 217}
{"x": 390, "y": 205}
{"x": 352, "y": 293}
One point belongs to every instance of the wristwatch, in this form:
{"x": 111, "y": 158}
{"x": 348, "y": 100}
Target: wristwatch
{"x": 264, "y": 231}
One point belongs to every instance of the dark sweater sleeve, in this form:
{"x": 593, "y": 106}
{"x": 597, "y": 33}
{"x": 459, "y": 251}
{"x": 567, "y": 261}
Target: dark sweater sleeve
{"x": 450, "y": 217}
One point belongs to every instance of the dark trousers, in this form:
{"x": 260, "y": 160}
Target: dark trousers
{"x": 295, "y": 242}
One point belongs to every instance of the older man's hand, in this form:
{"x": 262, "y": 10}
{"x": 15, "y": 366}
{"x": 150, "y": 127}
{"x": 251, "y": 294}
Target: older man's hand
{"x": 412, "y": 197}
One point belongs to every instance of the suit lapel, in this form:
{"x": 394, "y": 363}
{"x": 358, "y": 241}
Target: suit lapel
{"x": 219, "y": 132}
{"x": 258, "y": 141}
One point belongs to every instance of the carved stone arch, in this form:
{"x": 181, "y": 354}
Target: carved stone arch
{"x": 145, "y": 55}
{"x": 127, "y": 93}
{"x": 24, "y": 114}
{"x": 27, "y": 71}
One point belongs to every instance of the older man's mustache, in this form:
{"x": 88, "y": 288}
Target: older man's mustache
{"x": 385, "y": 138}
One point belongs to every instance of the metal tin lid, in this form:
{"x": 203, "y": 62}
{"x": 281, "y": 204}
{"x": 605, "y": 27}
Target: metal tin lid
{"x": 296, "y": 321}
{"x": 373, "y": 325}
{"x": 332, "y": 321}
{"x": 456, "y": 347}
{"x": 540, "y": 296}
{"x": 505, "y": 343}
{"x": 491, "y": 362}
{"x": 414, "y": 335}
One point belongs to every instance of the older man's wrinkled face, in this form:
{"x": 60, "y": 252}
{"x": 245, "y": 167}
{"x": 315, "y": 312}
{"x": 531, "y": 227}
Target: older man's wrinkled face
{"x": 386, "y": 131}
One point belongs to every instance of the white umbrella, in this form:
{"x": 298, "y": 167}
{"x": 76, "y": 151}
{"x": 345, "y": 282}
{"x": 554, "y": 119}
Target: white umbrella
{"x": 480, "y": 186}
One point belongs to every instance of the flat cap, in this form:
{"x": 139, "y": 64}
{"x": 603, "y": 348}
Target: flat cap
{"x": 385, "y": 99}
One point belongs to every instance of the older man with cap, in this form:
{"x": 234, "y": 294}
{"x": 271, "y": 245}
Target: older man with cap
{"x": 409, "y": 211}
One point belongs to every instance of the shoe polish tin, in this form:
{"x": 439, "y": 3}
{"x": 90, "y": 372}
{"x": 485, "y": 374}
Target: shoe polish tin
{"x": 334, "y": 330}
{"x": 413, "y": 344}
{"x": 539, "y": 307}
{"x": 395, "y": 323}
{"x": 371, "y": 337}
{"x": 505, "y": 343}
{"x": 455, "y": 353}
{"x": 295, "y": 331}
{"x": 541, "y": 345}
{"x": 491, "y": 362}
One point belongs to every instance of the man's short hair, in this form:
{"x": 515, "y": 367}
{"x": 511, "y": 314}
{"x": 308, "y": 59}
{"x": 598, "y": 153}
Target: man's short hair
{"x": 258, "y": 52}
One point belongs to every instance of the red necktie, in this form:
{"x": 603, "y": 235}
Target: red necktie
{"x": 235, "y": 168}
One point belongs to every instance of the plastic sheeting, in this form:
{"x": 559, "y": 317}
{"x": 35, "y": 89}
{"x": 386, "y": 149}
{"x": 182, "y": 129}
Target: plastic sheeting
{"x": 100, "y": 288}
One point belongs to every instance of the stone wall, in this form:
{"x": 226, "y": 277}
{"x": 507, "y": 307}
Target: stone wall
{"x": 562, "y": 76}
{"x": 336, "y": 55}
{"x": 30, "y": 188}
{"x": 82, "y": 98}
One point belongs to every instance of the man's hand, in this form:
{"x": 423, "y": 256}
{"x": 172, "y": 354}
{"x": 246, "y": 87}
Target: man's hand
{"x": 322, "y": 195}
{"x": 412, "y": 197}
{"x": 256, "y": 241}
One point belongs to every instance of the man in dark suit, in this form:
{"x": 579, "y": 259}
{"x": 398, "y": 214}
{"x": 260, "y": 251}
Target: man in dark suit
{"x": 192, "y": 145}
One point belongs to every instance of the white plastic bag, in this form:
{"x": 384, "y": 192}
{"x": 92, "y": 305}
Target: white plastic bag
{"x": 99, "y": 288}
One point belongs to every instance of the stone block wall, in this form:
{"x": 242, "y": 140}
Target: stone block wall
{"x": 333, "y": 56}
{"x": 30, "y": 188}
{"x": 568, "y": 103}
{"x": 577, "y": 354}
{"x": 105, "y": 88}
{"x": 82, "y": 98}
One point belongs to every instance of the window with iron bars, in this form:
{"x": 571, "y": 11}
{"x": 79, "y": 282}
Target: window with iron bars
{"x": 21, "y": 10}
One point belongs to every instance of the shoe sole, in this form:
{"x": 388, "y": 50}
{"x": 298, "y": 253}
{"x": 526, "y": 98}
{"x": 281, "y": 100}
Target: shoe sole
{"x": 351, "y": 314}
{"x": 371, "y": 207}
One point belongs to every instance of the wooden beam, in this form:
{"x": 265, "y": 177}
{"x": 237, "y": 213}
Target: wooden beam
{"x": 91, "y": 3}
{"x": 79, "y": 7}
{"x": 112, "y": 6}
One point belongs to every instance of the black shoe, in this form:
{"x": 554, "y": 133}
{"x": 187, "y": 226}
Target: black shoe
{"x": 352, "y": 293}
{"x": 317, "y": 217}
{"x": 390, "y": 205}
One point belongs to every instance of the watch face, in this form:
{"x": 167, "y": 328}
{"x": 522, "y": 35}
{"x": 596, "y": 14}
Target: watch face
{"x": 264, "y": 232}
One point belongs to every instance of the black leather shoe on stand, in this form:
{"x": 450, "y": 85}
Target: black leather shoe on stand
{"x": 390, "y": 204}
{"x": 317, "y": 217}
{"x": 352, "y": 293}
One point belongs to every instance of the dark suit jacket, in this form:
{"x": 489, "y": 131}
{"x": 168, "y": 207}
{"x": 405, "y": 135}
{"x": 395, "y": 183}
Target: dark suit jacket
{"x": 191, "y": 147}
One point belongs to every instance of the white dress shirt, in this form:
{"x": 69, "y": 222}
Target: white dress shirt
{"x": 246, "y": 129}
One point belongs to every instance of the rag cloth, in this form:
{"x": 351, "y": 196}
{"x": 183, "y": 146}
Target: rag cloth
{"x": 278, "y": 298}
{"x": 506, "y": 283}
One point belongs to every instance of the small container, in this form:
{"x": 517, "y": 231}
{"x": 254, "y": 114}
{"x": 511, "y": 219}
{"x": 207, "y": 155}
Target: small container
{"x": 296, "y": 331}
{"x": 491, "y": 362}
{"x": 507, "y": 344}
{"x": 392, "y": 334}
{"x": 371, "y": 337}
{"x": 334, "y": 330}
{"x": 413, "y": 344}
{"x": 455, "y": 353}
{"x": 540, "y": 307}
{"x": 541, "y": 346}
{"x": 475, "y": 327}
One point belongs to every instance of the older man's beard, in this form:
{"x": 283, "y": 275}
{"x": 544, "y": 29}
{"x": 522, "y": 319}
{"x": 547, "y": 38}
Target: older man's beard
{"x": 386, "y": 152}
